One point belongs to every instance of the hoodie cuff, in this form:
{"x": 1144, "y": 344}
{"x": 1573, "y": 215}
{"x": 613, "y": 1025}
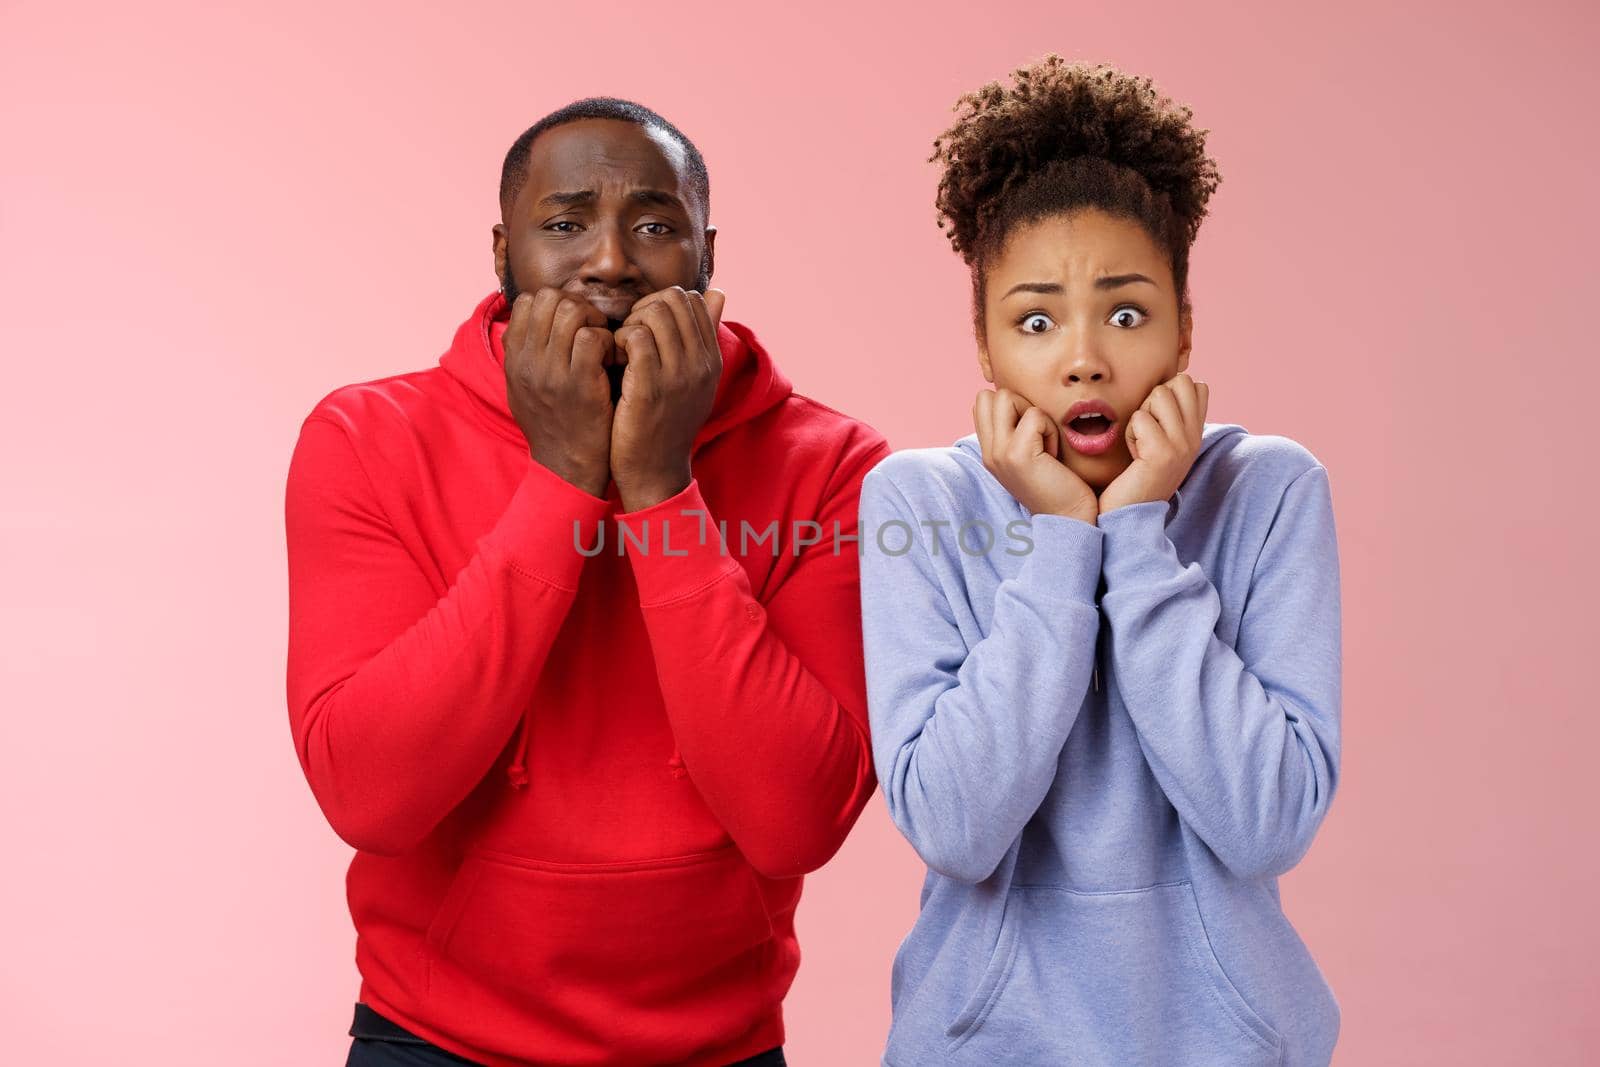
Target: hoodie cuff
{"x": 675, "y": 546}
{"x": 1065, "y": 557}
{"x": 1137, "y": 547}
{"x": 543, "y": 525}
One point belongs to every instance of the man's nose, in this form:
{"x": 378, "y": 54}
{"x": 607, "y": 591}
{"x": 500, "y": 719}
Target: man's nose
{"x": 608, "y": 263}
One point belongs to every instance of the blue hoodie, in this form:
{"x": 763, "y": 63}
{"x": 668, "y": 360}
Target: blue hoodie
{"x": 1106, "y": 742}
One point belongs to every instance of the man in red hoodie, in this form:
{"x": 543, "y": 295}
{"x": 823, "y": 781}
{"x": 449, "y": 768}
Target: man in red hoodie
{"x": 575, "y": 641}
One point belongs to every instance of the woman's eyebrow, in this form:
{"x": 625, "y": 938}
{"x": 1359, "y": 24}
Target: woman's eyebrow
{"x": 1117, "y": 281}
{"x": 1048, "y": 288}
{"x": 1110, "y": 281}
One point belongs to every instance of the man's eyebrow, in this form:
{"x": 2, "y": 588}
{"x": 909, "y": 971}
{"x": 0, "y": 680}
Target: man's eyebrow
{"x": 582, "y": 196}
{"x": 658, "y": 196}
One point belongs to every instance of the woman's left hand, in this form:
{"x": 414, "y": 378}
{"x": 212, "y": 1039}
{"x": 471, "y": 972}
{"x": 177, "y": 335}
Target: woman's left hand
{"x": 1164, "y": 438}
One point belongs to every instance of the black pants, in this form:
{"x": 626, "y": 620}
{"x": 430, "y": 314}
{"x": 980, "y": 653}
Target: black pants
{"x": 382, "y": 1042}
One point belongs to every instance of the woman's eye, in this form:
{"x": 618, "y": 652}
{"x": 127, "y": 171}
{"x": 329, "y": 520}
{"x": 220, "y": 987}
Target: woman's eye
{"x": 1038, "y": 322}
{"x": 1128, "y": 316}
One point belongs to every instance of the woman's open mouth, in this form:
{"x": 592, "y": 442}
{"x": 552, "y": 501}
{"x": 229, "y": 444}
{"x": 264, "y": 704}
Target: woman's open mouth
{"x": 1090, "y": 434}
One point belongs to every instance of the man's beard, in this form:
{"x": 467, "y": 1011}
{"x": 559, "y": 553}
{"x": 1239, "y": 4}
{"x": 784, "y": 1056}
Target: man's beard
{"x": 615, "y": 372}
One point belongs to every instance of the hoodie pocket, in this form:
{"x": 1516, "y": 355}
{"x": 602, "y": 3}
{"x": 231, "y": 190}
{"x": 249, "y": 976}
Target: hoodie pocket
{"x": 580, "y": 946}
{"x": 1120, "y": 977}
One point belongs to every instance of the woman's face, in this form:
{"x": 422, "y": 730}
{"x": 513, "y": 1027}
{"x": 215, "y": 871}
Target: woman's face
{"x": 1078, "y": 306}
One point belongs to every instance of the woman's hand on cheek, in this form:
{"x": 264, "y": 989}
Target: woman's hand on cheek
{"x": 1164, "y": 438}
{"x": 1021, "y": 447}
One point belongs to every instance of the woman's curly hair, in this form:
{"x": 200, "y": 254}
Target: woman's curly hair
{"x": 1067, "y": 136}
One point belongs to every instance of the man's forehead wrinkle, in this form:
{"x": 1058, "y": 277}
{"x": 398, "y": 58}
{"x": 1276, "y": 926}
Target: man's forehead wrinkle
{"x": 607, "y": 177}
{"x": 624, "y": 189}
{"x": 620, "y": 164}
{"x": 549, "y": 152}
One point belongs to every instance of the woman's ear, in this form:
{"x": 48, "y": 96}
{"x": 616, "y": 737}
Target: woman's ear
{"x": 983, "y": 362}
{"x": 1185, "y": 337}
{"x": 980, "y": 327}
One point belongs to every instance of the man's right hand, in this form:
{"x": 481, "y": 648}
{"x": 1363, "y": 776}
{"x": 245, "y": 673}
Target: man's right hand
{"x": 556, "y": 347}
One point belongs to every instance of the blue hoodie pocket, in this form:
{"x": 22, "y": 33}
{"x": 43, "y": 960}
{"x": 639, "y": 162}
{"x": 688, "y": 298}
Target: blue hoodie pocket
{"x": 1110, "y": 977}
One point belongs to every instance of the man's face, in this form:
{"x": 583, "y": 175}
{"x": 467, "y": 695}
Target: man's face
{"x": 1083, "y": 305}
{"x": 608, "y": 213}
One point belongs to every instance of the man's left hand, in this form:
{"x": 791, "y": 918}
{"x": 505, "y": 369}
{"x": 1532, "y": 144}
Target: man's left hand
{"x": 1164, "y": 438}
{"x": 674, "y": 366}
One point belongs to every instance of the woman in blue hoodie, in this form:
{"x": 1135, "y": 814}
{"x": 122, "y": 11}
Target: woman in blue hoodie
{"x": 1101, "y": 633}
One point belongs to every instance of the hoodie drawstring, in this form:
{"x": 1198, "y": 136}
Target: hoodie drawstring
{"x": 517, "y": 773}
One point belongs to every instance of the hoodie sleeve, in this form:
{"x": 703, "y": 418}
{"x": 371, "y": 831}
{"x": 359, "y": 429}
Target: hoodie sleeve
{"x": 1244, "y": 740}
{"x": 967, "y": 740}
{"x": 766, "y": 700}
{"x": 400, "y": 700}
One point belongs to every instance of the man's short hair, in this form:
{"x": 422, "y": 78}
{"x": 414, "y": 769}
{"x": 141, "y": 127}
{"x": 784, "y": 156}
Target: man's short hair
{"x": 515, "y": 171}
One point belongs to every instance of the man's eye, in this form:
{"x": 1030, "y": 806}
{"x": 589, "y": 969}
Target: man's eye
{"x": 1038, "y": 322}
{"x": 660, "y": 229}
{"x": 1128, "y": 316}
{"x": 563, "y": 222}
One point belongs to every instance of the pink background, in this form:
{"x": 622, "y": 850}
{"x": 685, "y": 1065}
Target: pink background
{"x": 209, "y": 218}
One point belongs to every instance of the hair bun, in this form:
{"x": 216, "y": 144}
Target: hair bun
{"x": 1054, "y": 114}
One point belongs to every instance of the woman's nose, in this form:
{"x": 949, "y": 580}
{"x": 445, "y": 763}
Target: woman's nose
{"x": 1084, "y": 361}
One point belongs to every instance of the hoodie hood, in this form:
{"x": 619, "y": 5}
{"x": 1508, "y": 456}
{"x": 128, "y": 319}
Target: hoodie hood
{"x": 1210, "y": 435}
{"x": 751, "y": 384}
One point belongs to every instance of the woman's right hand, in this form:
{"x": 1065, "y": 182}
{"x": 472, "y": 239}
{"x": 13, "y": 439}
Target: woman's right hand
{"x": 1021, "y": 445}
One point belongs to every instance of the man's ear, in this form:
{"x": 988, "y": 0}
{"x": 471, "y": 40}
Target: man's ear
{"x": 711, "y": 251}
{"x": 1185, "y": 337}
{"x": 498, "y": 235}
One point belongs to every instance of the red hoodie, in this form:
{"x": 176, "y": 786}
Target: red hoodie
{"x": 583, "y": 789}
